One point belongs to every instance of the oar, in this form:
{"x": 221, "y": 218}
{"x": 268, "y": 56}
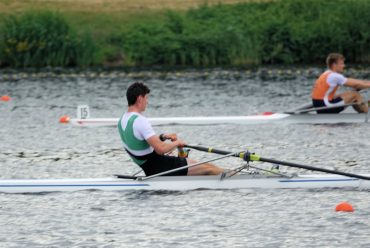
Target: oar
{"x": 253, "y": 157}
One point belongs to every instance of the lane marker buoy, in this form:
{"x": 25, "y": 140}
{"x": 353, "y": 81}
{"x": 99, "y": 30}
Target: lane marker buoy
{"x": 5, "y": 98}
{"x": 344, "y": 207}
{"x": 64, "y": 119}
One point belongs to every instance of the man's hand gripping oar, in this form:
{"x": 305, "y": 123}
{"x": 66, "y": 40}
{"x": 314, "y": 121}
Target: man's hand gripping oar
{"x": 247, "y": 156}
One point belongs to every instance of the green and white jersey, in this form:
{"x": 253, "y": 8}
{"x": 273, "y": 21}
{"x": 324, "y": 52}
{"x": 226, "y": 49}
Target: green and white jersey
{"x": 134, "y": 130}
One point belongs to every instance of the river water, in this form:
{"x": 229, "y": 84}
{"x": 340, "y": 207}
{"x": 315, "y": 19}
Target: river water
{"x": 34, "y": 145}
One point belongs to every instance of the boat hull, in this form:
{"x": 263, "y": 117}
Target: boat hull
{"x": 251, "y": 119}
{"x": 183, "y": 183}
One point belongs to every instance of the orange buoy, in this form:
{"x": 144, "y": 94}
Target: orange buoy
{"x": 64, "y": 119}
{"x": 344, "y": 207}
{"x": 5, "y": 98}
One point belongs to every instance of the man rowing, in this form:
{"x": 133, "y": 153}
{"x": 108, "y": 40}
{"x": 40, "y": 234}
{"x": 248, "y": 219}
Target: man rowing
{"x": 323, "y": 92}
{"x": 146, "y": 148}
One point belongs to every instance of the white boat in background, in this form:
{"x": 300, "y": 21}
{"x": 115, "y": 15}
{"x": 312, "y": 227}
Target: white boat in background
{"x": 299, "y": 116}
{"x": 265, "y": 118}
{"x": 184, "y": 183}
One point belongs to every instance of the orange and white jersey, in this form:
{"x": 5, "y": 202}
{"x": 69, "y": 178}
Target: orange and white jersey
{"x": 326, "y": 86}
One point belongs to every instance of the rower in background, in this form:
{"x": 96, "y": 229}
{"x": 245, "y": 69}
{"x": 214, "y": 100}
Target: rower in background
{"x": 148, "y": 149}
{"x": 323, "y": 92}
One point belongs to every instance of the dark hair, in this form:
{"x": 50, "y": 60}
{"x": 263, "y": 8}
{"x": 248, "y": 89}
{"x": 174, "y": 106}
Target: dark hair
{"x": 333, "y": 58}
{"x": 134, "y": 90}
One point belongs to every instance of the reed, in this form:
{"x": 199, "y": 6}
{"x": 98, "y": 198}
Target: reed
{"x": 239, "y": 34}
{"x": 276, "y": 32}
{"x": 39, "y": 39}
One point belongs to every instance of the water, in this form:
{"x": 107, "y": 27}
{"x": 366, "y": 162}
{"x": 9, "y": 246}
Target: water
{"x": 34, "y": 145}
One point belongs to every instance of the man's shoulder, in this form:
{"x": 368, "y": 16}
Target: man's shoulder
{"x": 325, "y": 74}
{"x": 136, "y": 115}
{"x": 141, "y": 117}
{"x": 336, "y": 78}
{"x": 141, "y": 120}
{"x": 133, "y": 117}
{"x": 334, "y": 74}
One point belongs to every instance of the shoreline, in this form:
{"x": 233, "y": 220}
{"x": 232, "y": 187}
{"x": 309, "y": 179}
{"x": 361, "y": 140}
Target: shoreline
{"x": 262, "y": 72}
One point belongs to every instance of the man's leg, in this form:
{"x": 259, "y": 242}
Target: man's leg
{"x": 203, "y": 169}
{"x": 354, "y": 96}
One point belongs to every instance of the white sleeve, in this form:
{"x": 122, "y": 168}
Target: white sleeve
{"x": 143, "y": 128}
{"x": 335, "y": 79}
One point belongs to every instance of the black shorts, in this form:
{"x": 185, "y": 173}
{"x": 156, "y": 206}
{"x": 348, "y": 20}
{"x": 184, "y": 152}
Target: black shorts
{"x": 321, "y": 103}
{"x": 159, "y": 163}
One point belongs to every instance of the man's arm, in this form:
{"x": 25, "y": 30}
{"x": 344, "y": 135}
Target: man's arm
{"x": 170, "y": 136}
{"x": 357, "y": 83}
{"x": 161, "y": 147}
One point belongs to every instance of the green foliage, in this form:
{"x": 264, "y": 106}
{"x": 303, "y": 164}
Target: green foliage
{"x": 277, "y": 32}
{"x": 197, "y": 38}
{"x": 43, "y": 39}
{"x": 252, "y": 33}
{"x": 306, "y": 31}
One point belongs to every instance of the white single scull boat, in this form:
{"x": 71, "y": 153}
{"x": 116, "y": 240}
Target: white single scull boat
{"x": 228, "y": 180}
{"x": 301, "y": 115}
{"x": 183, "y": 183}
{"x": 276, "y": 118}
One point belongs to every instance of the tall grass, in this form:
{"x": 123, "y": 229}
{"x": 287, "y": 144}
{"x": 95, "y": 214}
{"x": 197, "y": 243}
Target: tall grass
{"x": 38, "y": 39}
{"x": 201, "y": 37}
{"x": 250, "y": 33}
{"x": 306, "y": 31}
{"x": 277, "y": 32}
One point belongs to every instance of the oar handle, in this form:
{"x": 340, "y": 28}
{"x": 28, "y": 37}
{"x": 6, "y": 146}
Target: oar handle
{"x": 207, "y": 149}
{"x": 247, "y": 156}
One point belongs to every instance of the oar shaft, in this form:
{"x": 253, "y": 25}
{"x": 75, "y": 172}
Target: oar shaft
{"x": 244, "y": 155}
{"x": 307, "y": 167}
{"x": 253, "y": 157}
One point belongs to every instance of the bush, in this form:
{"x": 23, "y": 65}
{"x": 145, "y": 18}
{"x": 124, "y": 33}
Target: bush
{"x": 251, "y": 33}
{"x": 38, "y": 39}
{"x": 276, "y": 32}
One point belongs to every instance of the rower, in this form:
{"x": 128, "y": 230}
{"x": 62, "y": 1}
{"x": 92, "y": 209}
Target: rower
{"x": 323, "y": 92}
{"x": 148, "y": 149}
